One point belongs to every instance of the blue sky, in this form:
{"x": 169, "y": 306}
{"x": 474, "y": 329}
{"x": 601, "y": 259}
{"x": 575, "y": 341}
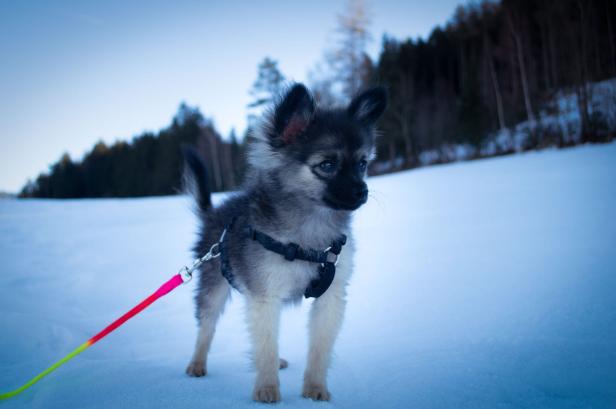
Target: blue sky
{"x": 75, "y": 72}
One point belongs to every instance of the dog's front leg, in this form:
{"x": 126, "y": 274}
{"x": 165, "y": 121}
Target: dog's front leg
{"x": 325, "y": 321}
{"x": 263, "y": 320}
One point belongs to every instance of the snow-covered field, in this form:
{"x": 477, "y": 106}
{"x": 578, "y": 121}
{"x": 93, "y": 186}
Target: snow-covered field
{"x": 487, "y": 284}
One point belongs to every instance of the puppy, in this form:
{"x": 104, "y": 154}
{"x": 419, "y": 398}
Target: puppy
{"x": 305, "y": 178}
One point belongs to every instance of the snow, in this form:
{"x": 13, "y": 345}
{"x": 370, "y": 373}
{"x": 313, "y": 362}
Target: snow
{"x": 485, "y": 284}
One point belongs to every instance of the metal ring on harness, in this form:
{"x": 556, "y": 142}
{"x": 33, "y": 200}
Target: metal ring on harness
{"x": 327, "y": 250}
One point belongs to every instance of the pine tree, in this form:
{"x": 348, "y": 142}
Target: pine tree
{"x": 268, "y": 85}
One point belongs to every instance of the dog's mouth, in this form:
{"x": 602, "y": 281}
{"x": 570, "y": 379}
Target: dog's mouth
{"x": 338, "y": 204}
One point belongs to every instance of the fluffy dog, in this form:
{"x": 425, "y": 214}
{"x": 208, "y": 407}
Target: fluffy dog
{"x": 305, "y": 178}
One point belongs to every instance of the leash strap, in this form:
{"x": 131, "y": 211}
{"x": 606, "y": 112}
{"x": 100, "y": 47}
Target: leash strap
{"x": 164, "y": 289}
{"x": 184, "y": 276}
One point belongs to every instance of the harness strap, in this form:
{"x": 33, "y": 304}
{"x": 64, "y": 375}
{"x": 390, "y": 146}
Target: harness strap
{"x": 292, "y": 251}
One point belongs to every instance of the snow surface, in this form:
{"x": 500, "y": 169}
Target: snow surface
{"x": 486, "y": 284}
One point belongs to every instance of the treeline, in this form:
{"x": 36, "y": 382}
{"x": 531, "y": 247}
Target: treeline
{"x": 493, "y": 66}
{"x": 149, "y": 165}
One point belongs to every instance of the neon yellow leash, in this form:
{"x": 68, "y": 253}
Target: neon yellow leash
{"x": 47, "y": 371}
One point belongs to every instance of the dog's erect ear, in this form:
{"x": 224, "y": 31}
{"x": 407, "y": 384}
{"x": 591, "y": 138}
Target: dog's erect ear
{"x": 293, "y": 113}
{"x": 368, "y": 106}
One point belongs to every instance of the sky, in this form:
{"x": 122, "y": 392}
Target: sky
{"x": 76, "y": 72}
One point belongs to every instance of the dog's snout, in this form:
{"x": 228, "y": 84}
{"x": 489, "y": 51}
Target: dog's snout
{"x": 361, "y": 192}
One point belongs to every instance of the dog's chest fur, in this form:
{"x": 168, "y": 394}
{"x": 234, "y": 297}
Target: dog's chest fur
{"x": 289, "y": 279}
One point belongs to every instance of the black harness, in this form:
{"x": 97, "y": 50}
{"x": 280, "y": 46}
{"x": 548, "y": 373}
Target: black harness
{"x": 290, "y": 252}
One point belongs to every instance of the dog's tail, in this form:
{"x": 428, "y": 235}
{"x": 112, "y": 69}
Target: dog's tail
{"x": 196, "y": 178}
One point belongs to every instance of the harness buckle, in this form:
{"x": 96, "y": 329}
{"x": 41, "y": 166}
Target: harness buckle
{"x": 329, "y": 251}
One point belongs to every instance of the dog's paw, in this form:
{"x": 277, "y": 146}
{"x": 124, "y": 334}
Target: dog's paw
{"x": 283, "y": 363}
{"x": 196, "y": 369}
{"x": 316, "y": 392}
{"x": 267, "y": 394}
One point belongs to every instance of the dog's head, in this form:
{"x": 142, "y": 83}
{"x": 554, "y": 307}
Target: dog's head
{"x": 321, "y": 154}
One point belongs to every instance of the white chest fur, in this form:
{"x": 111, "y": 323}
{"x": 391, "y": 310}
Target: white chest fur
{"x": 288, "y": 280}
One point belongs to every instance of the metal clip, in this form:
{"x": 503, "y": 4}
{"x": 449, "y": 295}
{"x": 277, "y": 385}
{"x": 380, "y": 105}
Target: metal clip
{"x": 186, "y": 274}
{"x": 214, "y": 252}
{"x": 215, "y": 249}
{"x": 327, "y": 250}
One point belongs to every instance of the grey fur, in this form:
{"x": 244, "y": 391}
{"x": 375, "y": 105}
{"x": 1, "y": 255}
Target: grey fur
{"x": 287, "y": 195}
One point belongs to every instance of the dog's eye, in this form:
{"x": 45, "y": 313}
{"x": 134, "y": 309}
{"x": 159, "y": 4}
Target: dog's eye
{"x": 362, "y": 165}
{"x": 328, "y": 166}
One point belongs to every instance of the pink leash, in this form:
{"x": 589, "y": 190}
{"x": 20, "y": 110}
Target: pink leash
{"x": 184, "y": 276}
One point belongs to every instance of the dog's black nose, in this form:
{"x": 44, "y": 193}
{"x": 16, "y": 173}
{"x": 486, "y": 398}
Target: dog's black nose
{"x": 361, "y": 192}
